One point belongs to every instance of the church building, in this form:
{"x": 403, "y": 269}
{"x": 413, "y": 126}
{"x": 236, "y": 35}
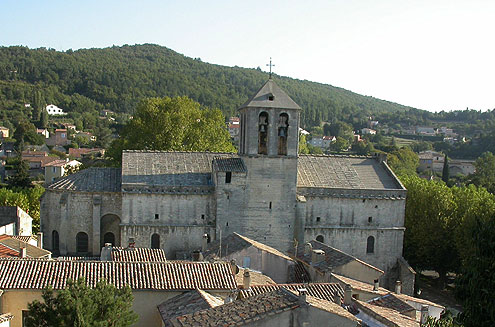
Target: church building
{"x": 267, "y": 192}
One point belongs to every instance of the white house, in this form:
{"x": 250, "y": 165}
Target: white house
{"x": 54, "y": 110}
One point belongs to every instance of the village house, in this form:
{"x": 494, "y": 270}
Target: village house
{"x": 322, "y": 142}
{"x": 15, "y": 221}
{"x": 44, "y": 132}
{"x": 57, "y": 168}
{"x": 4, "y": 132}
{"x": 15, "y": 247}
{"x": 151, "y": 282}
{"x": 368, "y": 131}
{"x": 60, "y": 138}
{"x": 53, "y": 110}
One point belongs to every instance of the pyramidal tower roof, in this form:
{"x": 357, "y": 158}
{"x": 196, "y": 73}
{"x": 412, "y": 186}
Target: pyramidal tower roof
{"x": 270, "y": 96}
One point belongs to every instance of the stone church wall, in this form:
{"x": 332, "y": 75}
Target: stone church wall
{"x": 69, "y": 213}
{"x": 180, "y": 220}
{"x": 345, "y": 223}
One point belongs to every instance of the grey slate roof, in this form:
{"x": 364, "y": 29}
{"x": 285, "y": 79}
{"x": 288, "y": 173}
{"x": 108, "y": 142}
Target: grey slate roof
{"x": 90, "y": 180}
{"x": 235, "y": 242}
{"x": 161, "y": 168}
{"x": 344, "y": 172}
{"x": 333, "y": 257}
{"x": 229, "y": 164}
{"x": 261, "y": 98}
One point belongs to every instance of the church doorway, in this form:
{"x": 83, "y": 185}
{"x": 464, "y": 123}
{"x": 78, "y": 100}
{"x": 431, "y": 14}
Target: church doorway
{"x": 109, "y": 230}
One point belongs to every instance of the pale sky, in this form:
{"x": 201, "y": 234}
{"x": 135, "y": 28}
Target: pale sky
{"x": 434, "y": 55}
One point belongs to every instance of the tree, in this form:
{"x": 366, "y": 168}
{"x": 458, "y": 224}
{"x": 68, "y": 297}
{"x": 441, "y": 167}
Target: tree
{"x": 430, "y": 221}
{"x": 173, "y": 124}
{"x": 445, "y": 170}
{"x": 303, "y": 145}
{"x": 21, "y": 177}
{"x": 485, "y": 172}
{"x": 340, "y": 144}
{"x": 403, "y": 161}
{"x": 79, "y": 305}
{"x": 444, "y": 322}
{"x": 475, "y": 285}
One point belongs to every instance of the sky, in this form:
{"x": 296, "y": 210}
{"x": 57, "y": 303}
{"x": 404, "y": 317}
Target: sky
{"x": 433, "y": 55}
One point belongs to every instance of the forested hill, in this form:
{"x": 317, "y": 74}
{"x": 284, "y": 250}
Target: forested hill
{"x": 116, "y": 78}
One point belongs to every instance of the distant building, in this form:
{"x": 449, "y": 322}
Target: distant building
{"x": 53, "y": 110}
{"x": 428, "y": 131}
{"x": 322, "y": 142}
{"x": 431, "y": 160}
{"x": 234, "y": 127}
{"x": 57, "y": 169}
{"x": 461, "y": 167}
{"x": 44, "y": 132}
{"x": 369, "y": 131}
{"x": 15, "y": 221}
{"x": 59, "y": 138}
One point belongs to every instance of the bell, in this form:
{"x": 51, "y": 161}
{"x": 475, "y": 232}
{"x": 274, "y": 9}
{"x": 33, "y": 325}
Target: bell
{"x": 262, "y": 128}
{"x": 282, "y": 132}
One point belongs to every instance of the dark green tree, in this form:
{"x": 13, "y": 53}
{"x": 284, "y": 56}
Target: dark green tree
{"x": 43, "y": 118}
{"x": 475, "y": 285}
{"x": 485, "y": 172}
{"x": 403, "y": 161}
{"x": 21, "y": 177}
{"x": 445, "y": 170}
{"x": 79, "y": 305}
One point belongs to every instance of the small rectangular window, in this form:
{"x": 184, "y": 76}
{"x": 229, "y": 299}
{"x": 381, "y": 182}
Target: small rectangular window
{"x": 270, "y": 204}
{"x": 370, "y": 219}
{"x": 318, "y": 219}
{"x": 157, "y": 216}
{"x": 228, "y": 177}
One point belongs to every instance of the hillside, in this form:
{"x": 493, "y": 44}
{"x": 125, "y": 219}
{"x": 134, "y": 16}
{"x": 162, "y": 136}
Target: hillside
{"x": 116, "y": 78}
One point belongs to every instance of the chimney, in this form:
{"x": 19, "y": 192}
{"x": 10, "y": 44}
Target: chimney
{"x": 106, "y": 252}
{"x": 23, "y": 251}
{"x": 246, "y": 279}
{"x": 302, "y": 296}
{"x": 132, "y": 244}
{"x": 337, "y": 299}
{"x": 317, "y": 256}
{"x": 233, "y": 267}
{"x": 39, "y": 240}
{"x": 376, "y": 285}
{"x": 204, "y": 243}
{"x": 347, "y": 294}
{"x": 398, "y": 287}
{"x": 308, "y": 249}
{"x": 424, "y": 314}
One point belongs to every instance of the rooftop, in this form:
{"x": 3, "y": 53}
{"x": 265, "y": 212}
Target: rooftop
{"x": 245, "y": 311}
{"x": 391, "y": 301}
{"x": 38, "y": 274}
{"x": 386, "y": 316}
{"x": 333, "y": 257}
{"x": 186, "y": 303}
{"x": 138, "y": 254}
{"x": 270, "y": 95}
{"x": 229, "y": 164}
{"x": 235, "y": 242}
{"x": 11, "y": 247}
{"x": 324, "y": 291}
{"x": 161, "y": 168}
{"x": 90, "y": 180}
{"x": 344, "y": 172}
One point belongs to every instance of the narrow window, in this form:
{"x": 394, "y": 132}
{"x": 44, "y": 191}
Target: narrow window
{"x": 227, "y": 224}
{"x": 82, "y": 242}
{"x": 270, "y": 206}
{"x": 203, "y": 217}
{"x": 55, "y": 242}
{"x": 155, "y": 241}
{"x": 370, "y": 245}
{"x": 318, "y": 219}
{"x": 320, "y": 238}
{"x": 283, "y": 127}
{"x": 271, "y": 97}
{"x": 109, "y": 238}
{"x": 208, "y": 238}
{"x": 370, "y": 219}
{"x": 228, "y": 177}
{"x": 157, "y": 216}
{"x": 263, "y": 133}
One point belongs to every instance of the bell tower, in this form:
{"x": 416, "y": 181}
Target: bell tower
{"x": 269, "y": 123}
{"x": 263, "y": 207}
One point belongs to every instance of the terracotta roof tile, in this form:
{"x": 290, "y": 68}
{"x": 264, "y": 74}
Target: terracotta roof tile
{"x": 324, "y": 291}
{"x": 15, "y": 244}
{"x": 138, "y": 254}
{"x": 386, "y": 316}
{"x": 37, "y": 274}
{"x": 186, "y": 303}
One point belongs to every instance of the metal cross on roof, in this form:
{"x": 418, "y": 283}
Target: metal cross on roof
{"x": 270, "y": 65}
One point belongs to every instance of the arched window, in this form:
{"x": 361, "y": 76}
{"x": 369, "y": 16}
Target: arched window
{"x": 155, "y": 241}
{"x": 283, "y": 128}
{"x": 109, "y": 238}
{"x": 55, "y": 242}
{"x": 82, "y": 242}
{"x": 320, "y": 238}
{"x": 263, "y": 133}
{"x": 370, "y": 245}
